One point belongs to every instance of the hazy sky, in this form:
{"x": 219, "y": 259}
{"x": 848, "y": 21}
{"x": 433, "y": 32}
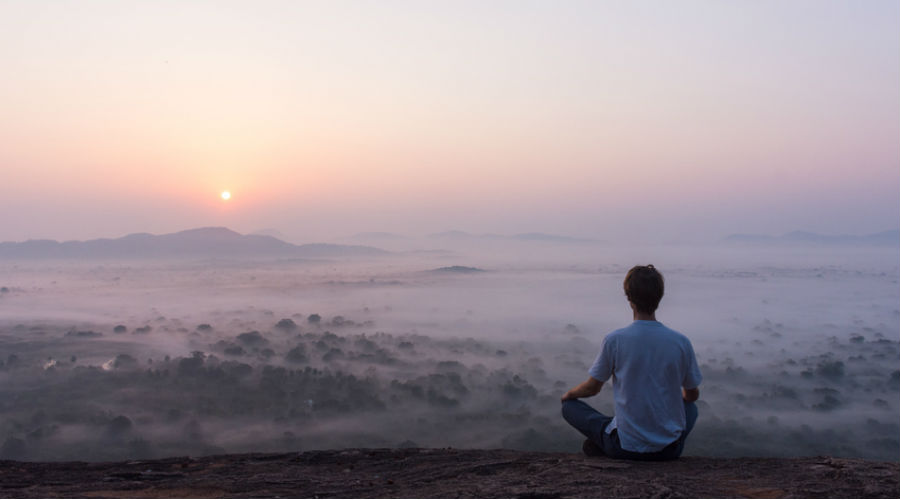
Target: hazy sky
{"x": 649, "y": 120}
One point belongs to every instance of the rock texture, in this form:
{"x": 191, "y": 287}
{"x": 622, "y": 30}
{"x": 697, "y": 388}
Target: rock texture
{"x": 406, "y": 473}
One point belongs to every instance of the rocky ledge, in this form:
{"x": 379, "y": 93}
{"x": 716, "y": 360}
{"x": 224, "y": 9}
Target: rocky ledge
{"x": 450, "y": 473}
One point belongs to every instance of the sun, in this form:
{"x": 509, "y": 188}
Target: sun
{"x": 226, "y": 195}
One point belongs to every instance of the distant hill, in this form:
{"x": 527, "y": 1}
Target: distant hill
{"x": 458, "y": 269}
{"x": 884, "y": 238}
{"x": 194, "y": 243}
{"x": 541, "y": 237}
{"x": 452, "y": 235}
{"x": 271, "y": 232}
{"x": 550, "y": 237}
{"x": 377, "y": 235}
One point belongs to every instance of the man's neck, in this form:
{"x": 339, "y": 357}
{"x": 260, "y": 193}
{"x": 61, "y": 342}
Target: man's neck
{"x": 639, "y": 316}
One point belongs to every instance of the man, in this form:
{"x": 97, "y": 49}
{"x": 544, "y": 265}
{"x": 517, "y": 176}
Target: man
{"x": 655, "y": 378}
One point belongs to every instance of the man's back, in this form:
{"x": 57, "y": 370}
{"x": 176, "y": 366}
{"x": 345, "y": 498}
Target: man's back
{"x": 649, "y": 364}
{"x": 655, "y": 378}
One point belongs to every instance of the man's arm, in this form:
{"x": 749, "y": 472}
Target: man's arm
{"x": 690, "y": 395}
{"x": 586, "y": 389}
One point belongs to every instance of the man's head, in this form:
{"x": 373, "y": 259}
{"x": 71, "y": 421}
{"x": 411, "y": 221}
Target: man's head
{"x": 644, "y": 287}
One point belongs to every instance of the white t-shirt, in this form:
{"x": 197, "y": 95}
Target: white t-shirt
{"x": 649, "y": 364}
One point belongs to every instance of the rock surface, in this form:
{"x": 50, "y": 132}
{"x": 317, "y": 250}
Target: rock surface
{"x": 449, "y": 473}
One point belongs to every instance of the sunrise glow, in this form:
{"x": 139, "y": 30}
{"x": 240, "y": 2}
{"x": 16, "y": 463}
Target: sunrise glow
{"x": 486, "y": 117}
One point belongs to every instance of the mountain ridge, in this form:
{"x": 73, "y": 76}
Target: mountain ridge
{"x": 533, "y": 236}
{"x": 882, "y": 238}
{"x": 197, "y": 242}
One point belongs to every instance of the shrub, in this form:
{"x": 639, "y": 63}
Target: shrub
{"x": 297, "y": 354}
{"x": 286, "y": 324}
{"x": 252, "y": 338}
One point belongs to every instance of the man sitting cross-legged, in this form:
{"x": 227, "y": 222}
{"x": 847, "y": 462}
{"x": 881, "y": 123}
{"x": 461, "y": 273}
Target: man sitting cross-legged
{"x": 655, "y": 378}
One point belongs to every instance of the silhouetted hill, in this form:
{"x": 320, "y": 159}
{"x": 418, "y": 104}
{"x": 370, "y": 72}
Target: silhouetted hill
{"x": 550, "y": 237}
{"x": 452, "y": 235}
{"x": 450, "y": 473}
{"x": 884, "y": 238}
{"x": 458, "y": 269}
{"x": 377, "y": 235}
{"x": 268, "y": 231}
{"x": 539, "y": 237}
{"x": 204, "y": 242}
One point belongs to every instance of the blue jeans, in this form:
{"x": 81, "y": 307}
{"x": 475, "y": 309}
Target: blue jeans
{"x": 592, "y": 424}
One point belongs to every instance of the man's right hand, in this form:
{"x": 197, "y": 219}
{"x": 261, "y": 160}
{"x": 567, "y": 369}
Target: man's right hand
{"x": 585, "y": 389}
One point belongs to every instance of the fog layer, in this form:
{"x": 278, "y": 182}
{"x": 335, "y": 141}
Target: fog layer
{"x": 117, "y": 360}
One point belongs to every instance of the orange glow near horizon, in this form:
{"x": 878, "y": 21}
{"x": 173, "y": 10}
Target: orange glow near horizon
{"x": 402, "y": 124}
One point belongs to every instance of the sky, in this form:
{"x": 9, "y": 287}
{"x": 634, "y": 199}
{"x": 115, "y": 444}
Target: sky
{"x": 639, "y": 120}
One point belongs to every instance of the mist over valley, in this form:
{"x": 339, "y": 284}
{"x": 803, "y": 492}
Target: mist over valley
{"x": 450, "y": 341}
